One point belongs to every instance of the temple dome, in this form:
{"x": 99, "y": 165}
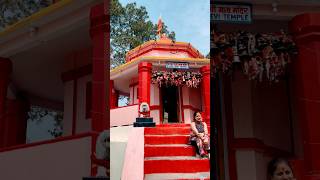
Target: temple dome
{"x": 164, "y": 47}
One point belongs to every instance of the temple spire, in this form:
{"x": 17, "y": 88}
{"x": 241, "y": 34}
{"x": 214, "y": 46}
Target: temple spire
{"x": 160, "y": 26}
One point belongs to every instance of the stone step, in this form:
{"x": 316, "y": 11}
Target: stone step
{"x": 166, "y": 130}
{"x": 166, "y": 139}
{"x": 95, "y": 178}
{"x": 144, "y": 119}
{"x": 175, "y": 164}
{"x": 169, "y": 150}
{"x": 175, "y": 158}
{"x": 169, "y": 131}
{"x": 169, "y": 176}
{"x": 174, "y": 125}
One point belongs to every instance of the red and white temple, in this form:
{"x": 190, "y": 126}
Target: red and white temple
{"x": 168, "y": 103}
{"x": 173, "y": 78}
{"x": 57, "y": 58}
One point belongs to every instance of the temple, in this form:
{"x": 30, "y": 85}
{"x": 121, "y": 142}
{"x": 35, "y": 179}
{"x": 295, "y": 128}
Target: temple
{"x": 172, "y": 77}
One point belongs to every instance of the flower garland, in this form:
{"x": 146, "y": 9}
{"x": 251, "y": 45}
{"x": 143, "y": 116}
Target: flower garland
{"x": 176, "y": 78}
{"x": 263, "y": 56}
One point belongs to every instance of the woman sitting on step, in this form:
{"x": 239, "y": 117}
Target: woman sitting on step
{"x": 199, "y": 136}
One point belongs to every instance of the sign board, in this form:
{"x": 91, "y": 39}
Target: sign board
{"x": 177, "y": 65}
{"x": 239, "y": 13}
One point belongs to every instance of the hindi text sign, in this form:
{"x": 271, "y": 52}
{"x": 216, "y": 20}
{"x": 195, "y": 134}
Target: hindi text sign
{"x": 231, "y": 13}
{"x": 177, "y": 65}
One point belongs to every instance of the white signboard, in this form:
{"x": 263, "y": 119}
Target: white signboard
{"x": 177, "y": 65}
{"x": 231, "y": 13}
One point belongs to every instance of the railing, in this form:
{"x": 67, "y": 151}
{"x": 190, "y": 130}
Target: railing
{"x": 11, "y": 11}
{"x": 56, "y": 145}
{"x": 48, "y": 160}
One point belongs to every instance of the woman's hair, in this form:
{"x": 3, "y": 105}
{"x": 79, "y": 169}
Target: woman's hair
{"x": 273, "y": 164}
{"x": 195, "y": 113}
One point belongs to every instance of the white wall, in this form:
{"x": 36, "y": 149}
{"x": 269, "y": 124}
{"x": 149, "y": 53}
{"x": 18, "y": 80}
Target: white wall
{"x": 271, "y": 114}
{"x": 192, "y": 97}
{"x": 63, "y": 160}
{"x": 195, "y": 97}
{"x": 251, "y": 165}
{"x": 260, "y": 111}
{"x": 246, "y": 165}
{"x": 135, "y": 100}
{"x": 124, "y": 115}
{"x": 131, "y": 96}
{"x": 242, "y": 106}
{"x": 155, "y": 101}
{"x": 154, "y": 95}
{"x": 118, "y": 143}
{"x": 82, "y": 123}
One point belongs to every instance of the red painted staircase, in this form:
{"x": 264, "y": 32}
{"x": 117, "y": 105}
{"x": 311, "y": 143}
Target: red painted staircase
{"x": 168, "y": 156}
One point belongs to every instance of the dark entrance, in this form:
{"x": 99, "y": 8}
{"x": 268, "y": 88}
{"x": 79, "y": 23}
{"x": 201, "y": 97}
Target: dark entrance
{"x": 170, "y": 104}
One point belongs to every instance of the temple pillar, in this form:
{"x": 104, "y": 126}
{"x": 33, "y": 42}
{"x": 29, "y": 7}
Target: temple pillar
{"x": 16, "y": 122}
{"x": 100, "y": 54}
{"x": 306, "y": 30}
{"x": 144, "y": 70}
{"x": 5, "y": 70}
{"x": 205, "y": 92}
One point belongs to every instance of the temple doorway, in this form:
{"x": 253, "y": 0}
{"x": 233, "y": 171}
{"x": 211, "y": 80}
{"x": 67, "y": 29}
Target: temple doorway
{"x": 170, "y": 104}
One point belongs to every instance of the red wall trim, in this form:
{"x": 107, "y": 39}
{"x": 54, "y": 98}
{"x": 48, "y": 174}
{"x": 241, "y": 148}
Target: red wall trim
{"x": 190, "y": 107}
{"x": 133, "y": 84}
{"x": 46, "y": 103}
{"x": 88, "y": 99}
{"x": 166, "y": 47}
{"x": 76, "y": 73}
{"x": 59, "y": 139}
{"x": 123, "y": 94}
{"x": 155, "y": 107}
{"x": 124, "y": 106}
{"x": 227, "y": 103}
{"x": 74, "y": 106}
{"x": 258, "y": 146}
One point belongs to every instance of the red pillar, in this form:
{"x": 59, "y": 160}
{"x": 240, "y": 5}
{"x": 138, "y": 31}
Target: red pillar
{"x": 5, "y": 70}
{"x": 113, "y": 95}
{"x": 16, "y": 122}
{"x": 205, "y": 91}
{"x": 306, "y": 30}
{"x": 144, "y": 69}
{"x": 100, "y": 54}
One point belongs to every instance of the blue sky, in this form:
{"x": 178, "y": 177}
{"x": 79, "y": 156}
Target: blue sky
{"x": 189, "y": 19}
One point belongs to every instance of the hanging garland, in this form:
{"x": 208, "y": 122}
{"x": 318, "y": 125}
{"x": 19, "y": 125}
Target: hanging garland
{"x": 263, "y": 56}
{"x": 176, "y": 78}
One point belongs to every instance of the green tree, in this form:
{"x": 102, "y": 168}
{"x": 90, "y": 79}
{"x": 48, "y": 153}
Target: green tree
{"x": 130, "y": 28}
{"x": 11, "y": 11}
